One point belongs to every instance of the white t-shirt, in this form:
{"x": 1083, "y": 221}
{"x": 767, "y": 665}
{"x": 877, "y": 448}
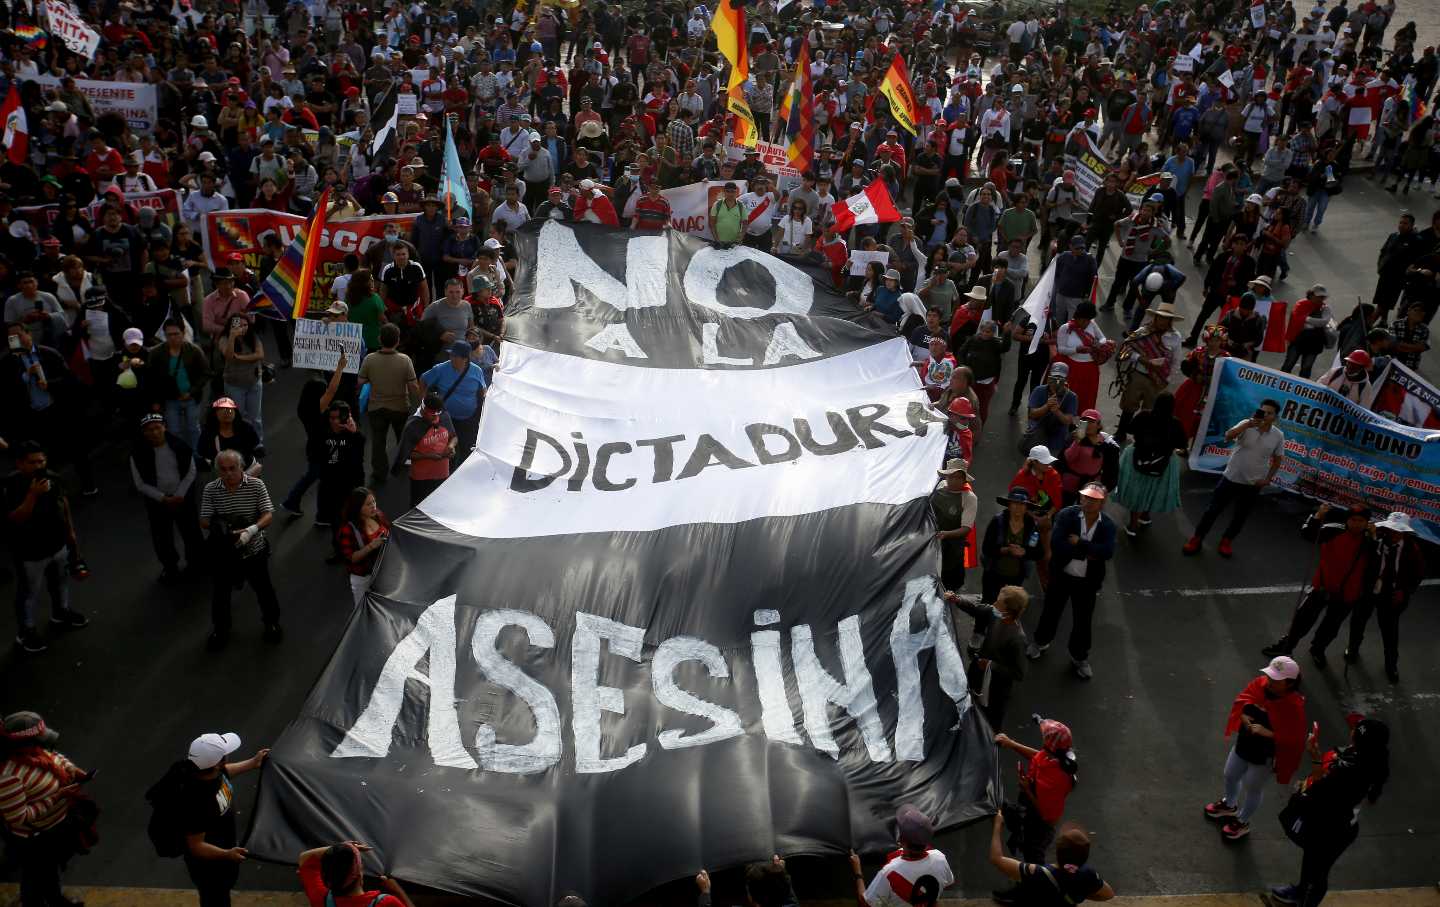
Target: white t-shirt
{"x": 794, "y": 233}
{"x": 1079, "y": 565}
{"x": 1250, "y": 460}
{"x": 892, "y": 884}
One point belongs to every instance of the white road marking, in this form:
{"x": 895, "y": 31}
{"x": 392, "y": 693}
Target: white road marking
{"x": 1206, "y": 592}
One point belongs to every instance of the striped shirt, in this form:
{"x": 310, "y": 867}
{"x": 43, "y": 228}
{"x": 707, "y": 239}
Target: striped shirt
{"x": 30, "y": 800}
{"x": 682, "y": 137}
{"x": 240, "y": 508}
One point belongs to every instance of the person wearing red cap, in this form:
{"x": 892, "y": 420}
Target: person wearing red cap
{"x": 1344, "y": 563}
{"x": 962, "y": 419}
{"x": 1351, "y": 378}
{"x": 1267, "y": 721}
{"x": 1046, "y": 778}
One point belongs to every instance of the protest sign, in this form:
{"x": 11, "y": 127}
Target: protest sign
{"x": 508, "y": 668}
{"x": 1399, "y": 394}
{"x": 318, "y": 344}
{"x": 244, "y": 229}
{"x": 1184, "y": 63}
{"x": 166, "y": 203}
{"x": 135, "y": 101}
{"x": 1089, "y": 164}
{"x": 69, "y": 26}
{"x": 1336, "y": 450}
{"x": 406, "y": 104}
{"x": 860, "y": 261}
{"x": 773, "y": 158}
{"x": 1257, "y": 14}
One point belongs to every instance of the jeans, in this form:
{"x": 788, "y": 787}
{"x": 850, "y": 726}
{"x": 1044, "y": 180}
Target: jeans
{"x": 383, "y": 422}
{"x": 302, "y": 485}
{"x": 254, "y": 570}
{"x": 1080, "y": 594}
{"x": 1306, "y": 361}
{"x": 1245, "y": 785}
{"x": 47, "y": 572}
{"x": 182, "y": 419}
{"x": 164, "y": 522}
{"x": 1315, "y": 208}
{"x": 247, "y": 397}
{"x": 1226, "y": 493}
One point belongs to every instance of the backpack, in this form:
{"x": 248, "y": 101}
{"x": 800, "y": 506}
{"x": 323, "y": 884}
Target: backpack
{"x": 166, "y": 828}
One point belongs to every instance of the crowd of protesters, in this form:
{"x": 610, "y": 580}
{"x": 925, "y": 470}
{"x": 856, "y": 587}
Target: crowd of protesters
{"x": 121, "y": 330}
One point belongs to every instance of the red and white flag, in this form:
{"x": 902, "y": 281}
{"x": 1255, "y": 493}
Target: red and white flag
{"x": 873, "y": 206}
{"x": 17, "y": 133}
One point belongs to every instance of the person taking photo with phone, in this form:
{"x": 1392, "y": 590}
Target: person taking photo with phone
{"x": 1259, "y": 450}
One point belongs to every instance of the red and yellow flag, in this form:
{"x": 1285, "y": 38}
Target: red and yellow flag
{"x": 743, "y": 128}
{"x": 896, "y": 88}
{"x": 728, "y": 24}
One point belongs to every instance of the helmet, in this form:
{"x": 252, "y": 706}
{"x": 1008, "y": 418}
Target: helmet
{"x": 198, "y": 121}
{"x": 1360, "y": 358}
{"x": 1154, "y": 281}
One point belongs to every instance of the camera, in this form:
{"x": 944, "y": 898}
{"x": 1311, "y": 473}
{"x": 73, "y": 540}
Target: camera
{"x": 1259, "y": 415}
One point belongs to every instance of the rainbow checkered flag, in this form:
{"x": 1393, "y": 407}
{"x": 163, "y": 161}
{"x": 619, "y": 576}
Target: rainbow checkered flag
{"x": 285, "y": 295}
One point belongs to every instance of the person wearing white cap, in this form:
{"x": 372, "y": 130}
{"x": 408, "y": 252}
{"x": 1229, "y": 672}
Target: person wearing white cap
{"x": 1267, "y": 720}
{"x": 1400, "y": 566}
{"x": 954, "y": 505}
{"x": 198, "y": 800}
{"x": 1082, "y": 540}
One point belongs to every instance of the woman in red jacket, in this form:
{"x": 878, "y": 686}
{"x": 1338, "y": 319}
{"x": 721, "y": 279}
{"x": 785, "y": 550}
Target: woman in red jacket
{"x": 1267, "y": 720}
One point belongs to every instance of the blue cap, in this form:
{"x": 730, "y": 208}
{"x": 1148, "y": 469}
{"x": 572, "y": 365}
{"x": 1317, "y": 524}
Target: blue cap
{"x": 460, "y": 348}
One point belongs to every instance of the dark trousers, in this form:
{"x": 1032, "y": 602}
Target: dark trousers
{"x": 1210, "y": 242}
{"x": 1177, "y": 213}
{"x": 420, "y": 489}
{"x": 1030, "y": 835}
{"x": 383, "y": 422}
{"x": 1318, "y": 605}
{"x": 1212, "y": 304}
{"x": 1081, "y": 595}
{"x": 1226, "y": 493}
{"x": 1029, "y": 375}
{"x": 302, "y": 485}
{"x": 1318, "y": 858}
{"x": 1387, "y": 292}
{"x": 254, "y": 570}
{"x": 213, "y": 880}
{"x": 1387, "y": 614}
{"x": 330, "y": 497}
{"x": 1125, "y": 271}
{"x": 280, "y": 333}
{"x": 165, "y": 522}
{"x": 466, "y": 430}
{"x": 39, "y": 857}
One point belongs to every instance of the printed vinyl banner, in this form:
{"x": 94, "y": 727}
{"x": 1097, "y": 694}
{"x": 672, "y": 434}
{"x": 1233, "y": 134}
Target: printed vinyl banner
{"x": 135, "y": 101}
{"x": 678, "y": 610}
{"x": 1405, "y": 397}
{"x": 1335, "y": 450}
{"x": 243, "y": 229}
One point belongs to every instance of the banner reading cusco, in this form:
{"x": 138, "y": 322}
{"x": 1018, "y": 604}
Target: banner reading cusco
{"x": 243, "y": 230}
{"x": 1335, "y": 450}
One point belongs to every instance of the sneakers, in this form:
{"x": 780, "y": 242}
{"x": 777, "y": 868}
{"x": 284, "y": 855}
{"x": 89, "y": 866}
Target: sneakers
{"x": 1131, "y": 532}
{"x": 1285, "y": 894}
{"x": 272, "y": 633}
{"x": 1192, "y": 546}
{"x": 1034, "y": 650}
{"x": 69, "y": 620}
{"x": 1009, "y": 895}
{"x": 1234, "y": 830}
{"x": 322, "y": 524}
{"x": 29, "y": 641}
{"x": 1082, "y": 668}
{"x": 1280, "y": 646}
{"x": 292, "y": 509}
{"x": 1225, "y": 548}
{"x": 1219, "y": 810}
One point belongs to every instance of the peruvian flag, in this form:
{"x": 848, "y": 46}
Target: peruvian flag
{"x": 17, "y": 133}
{"x": 873, "y": 206}
{"x": 1277, "y": 322}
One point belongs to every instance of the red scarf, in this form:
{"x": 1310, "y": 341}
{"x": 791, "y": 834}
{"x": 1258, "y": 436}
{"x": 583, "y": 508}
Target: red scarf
{"x": 1287, "y": 720}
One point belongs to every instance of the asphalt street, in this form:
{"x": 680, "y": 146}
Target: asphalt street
{"x": 1176, "y": 638}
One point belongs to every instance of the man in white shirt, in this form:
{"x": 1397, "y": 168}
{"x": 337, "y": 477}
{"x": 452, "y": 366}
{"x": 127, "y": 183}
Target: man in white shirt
{"x": 996, "y": 122}
{"x": 200, "y": 203}
{"x": 760, "y": 205}
{"x": 1258, "y": 453}
{"x": 894, "y": 884}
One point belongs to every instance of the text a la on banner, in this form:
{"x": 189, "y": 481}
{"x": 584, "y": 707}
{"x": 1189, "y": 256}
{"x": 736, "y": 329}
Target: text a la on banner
{"x": 137, "y": 102}
{"x": 244, "y": 229}
{"x": 318, "y": 344}
{"x": 1336, "y": 451}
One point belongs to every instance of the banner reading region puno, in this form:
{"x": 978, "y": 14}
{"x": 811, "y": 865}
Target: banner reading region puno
{"x": 135, "y": 101}
{"x": 1335, "y": 450}
{"x": 678, "y": 610}
{"x": 243, "y": 230}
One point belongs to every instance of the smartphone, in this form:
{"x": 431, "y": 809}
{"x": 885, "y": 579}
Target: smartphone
{"x": 15, "y": 342}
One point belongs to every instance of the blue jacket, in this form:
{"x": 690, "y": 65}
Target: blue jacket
{"x": 1097, "y": 551}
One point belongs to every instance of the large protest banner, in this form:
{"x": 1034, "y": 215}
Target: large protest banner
{"x": 1335, "y": 450}
{"x": 166, "y": 203}
{"x": 135, "y": 101}
{"x": 318, "y": 344}
{"x": 244, "y": 229}
{"x": 679, "y": 608}
{"x": 67, "y": 24}
{"x": 1090, "y": 166}
{"x": 773, "y": 157}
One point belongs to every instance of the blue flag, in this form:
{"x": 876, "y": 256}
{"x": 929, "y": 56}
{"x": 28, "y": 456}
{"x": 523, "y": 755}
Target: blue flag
{"x": 452, "y": 179}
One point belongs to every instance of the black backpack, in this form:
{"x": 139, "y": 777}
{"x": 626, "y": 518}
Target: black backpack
{"x": 166, "y": 796}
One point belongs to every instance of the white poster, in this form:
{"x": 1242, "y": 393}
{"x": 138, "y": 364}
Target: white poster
{"x": 1184, "y": 63}
{"x": 135, "y": 101}
{"x": 318, "y": 345}
{"x": 67, "y": 25}
{"x": 860, "y": 261}
{"x": 1257, "y": 14}
{"x": 774, "y": 159}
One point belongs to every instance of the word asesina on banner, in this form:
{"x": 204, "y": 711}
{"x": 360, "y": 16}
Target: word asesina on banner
{"x": 137, "y": 102}
{"x": 725, "y": 617}
{"x": 1335, "y": 450}
{"x": 244, "y": 229}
